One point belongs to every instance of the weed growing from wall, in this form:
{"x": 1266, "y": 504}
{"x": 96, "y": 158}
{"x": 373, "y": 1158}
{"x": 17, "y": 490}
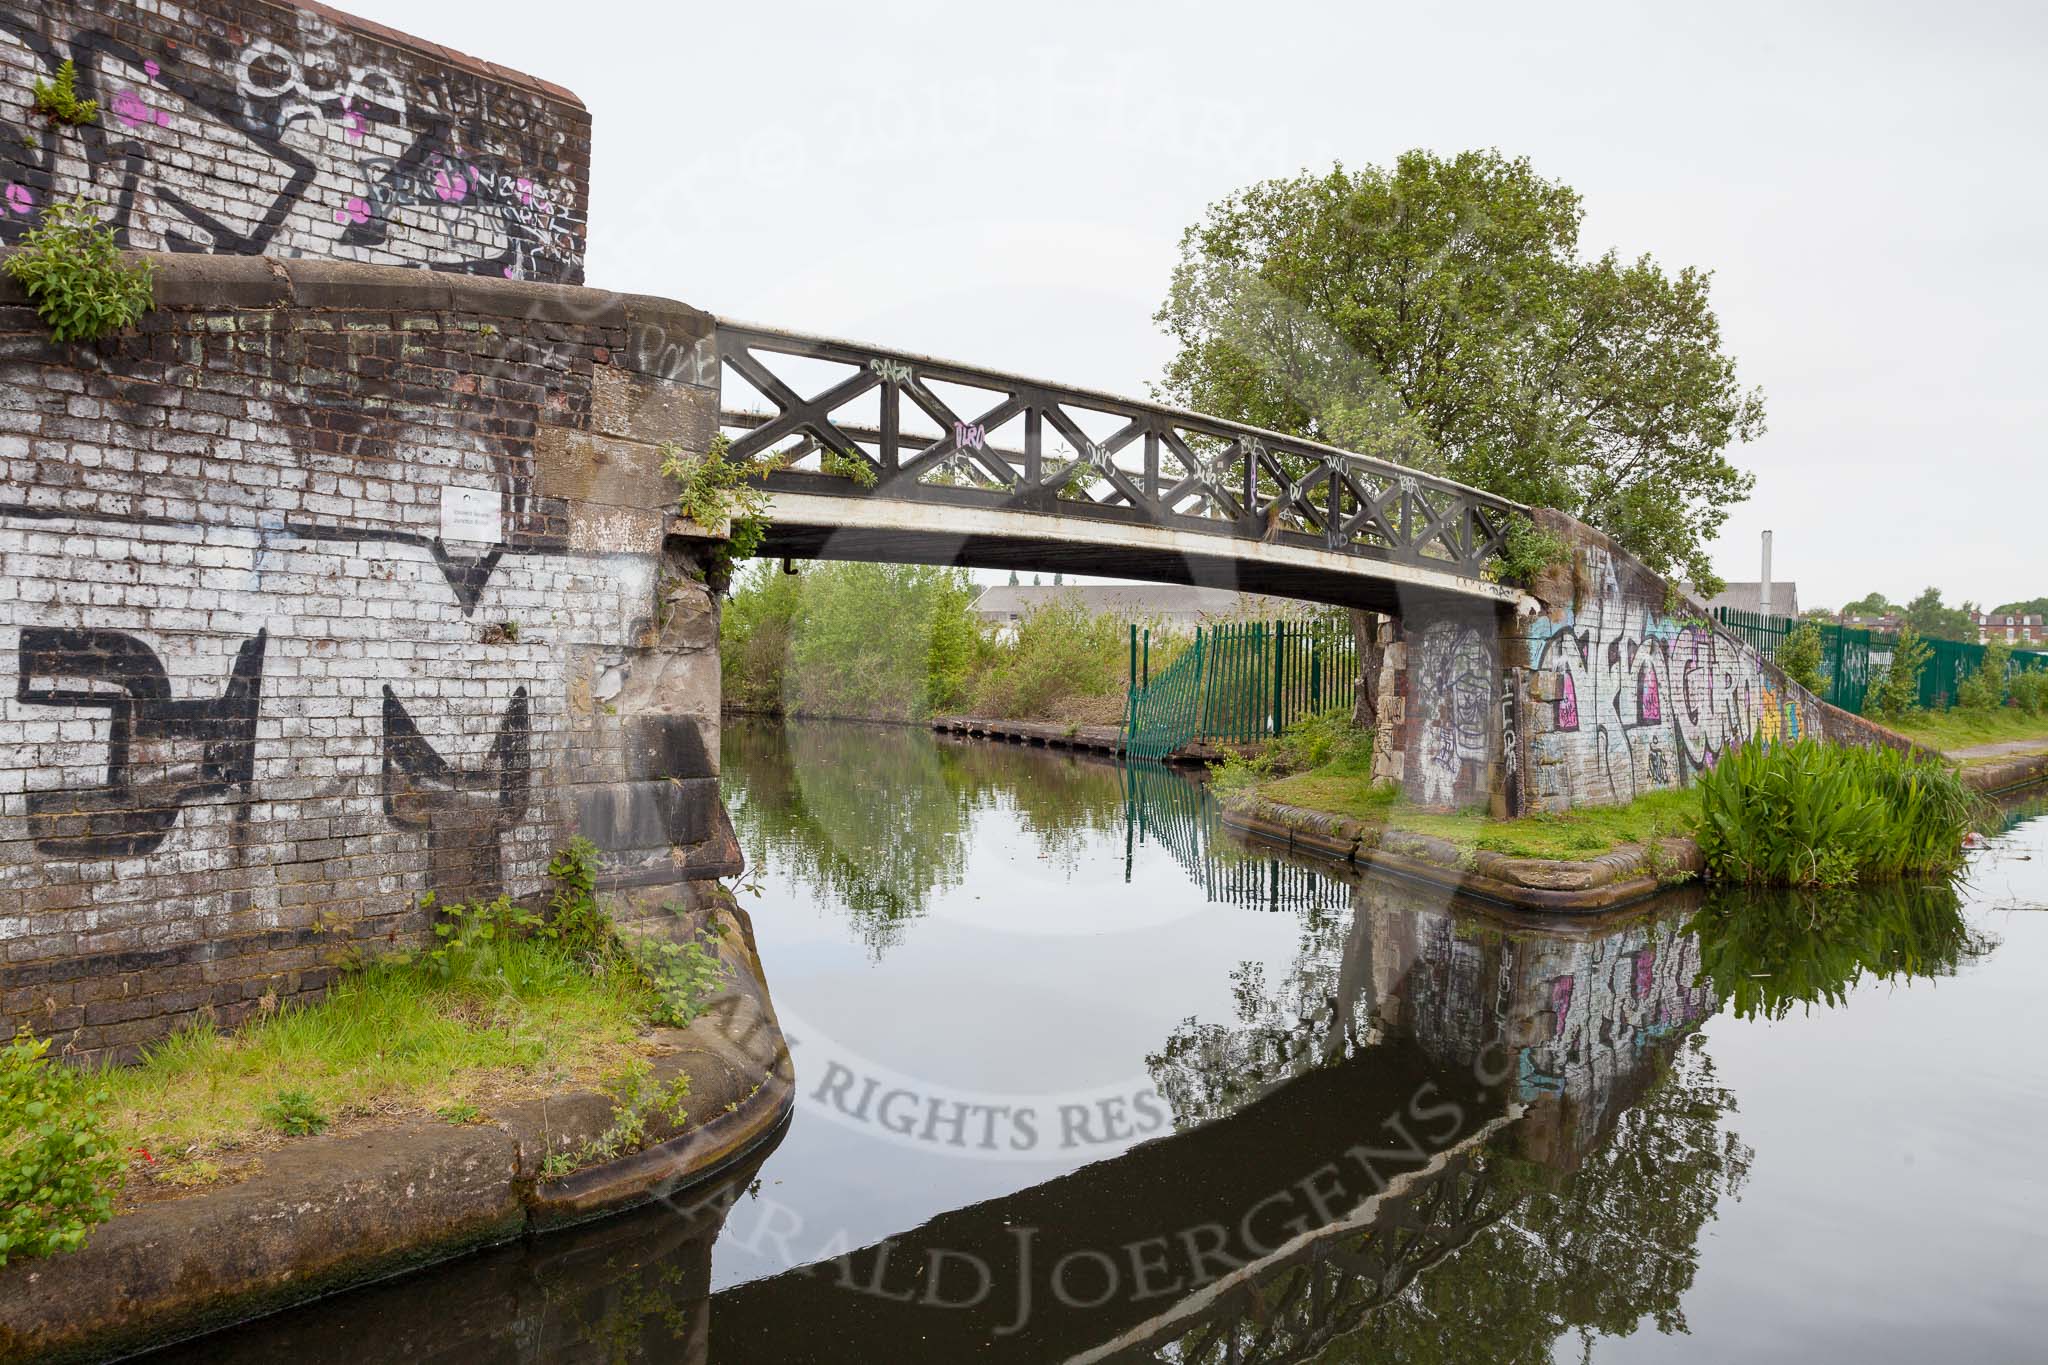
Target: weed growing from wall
{"x": 718, "y": 490}
{"x": 57, "y": 100}
{"x": 74, "y": 275}
{"x": 1530, "y": 549}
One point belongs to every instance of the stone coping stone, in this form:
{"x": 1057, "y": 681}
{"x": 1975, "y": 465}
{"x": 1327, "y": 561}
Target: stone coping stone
{"x": 190, "y": 282}
{"x": 327, "y": 1213}
{"x": 1624, "y": 876}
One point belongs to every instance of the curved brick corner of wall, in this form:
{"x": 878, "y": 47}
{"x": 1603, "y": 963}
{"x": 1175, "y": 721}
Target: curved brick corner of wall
{"x": 324, "y": 586}
{"x": 245, "y": 127}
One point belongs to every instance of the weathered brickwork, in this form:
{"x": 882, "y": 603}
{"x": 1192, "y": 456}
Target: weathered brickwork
{"x": 328, "y": 586}
{"x": 247, "y": 127}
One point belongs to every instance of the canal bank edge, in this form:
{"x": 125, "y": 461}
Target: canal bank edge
{"x": 1625, "y": 876}
{"x": 327, "y": 1214}
{"x": 2007, "y": 775}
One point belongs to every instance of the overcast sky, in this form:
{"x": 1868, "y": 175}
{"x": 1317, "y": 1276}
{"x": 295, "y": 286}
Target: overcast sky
{"x": 1007, "y": 186}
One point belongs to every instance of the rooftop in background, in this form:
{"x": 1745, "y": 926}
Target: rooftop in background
{"x": 1749, "y": 597}
{"x": 1175, "y": 603}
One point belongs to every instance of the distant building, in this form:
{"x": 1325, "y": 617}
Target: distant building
{"x": 1889, "y": 622}
{"x": 1172, "y": 604}
{"x": 1749, "y": 597}
{"x": 2015, "y": 628}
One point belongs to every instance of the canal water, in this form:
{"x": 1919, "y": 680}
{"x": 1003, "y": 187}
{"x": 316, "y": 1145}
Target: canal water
{"x": 1082, "y": 1078}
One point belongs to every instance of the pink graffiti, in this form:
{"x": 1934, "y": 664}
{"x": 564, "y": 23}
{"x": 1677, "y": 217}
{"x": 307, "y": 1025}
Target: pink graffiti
{"x": 1649, "y": 706}
{"x": 1646, "y": 969}
{"x": 1561, "y": 999}
{"x": 1567, "y": 704}
{"x": 19, "y": 200}
{"x": 352, "y": 121}
{"x": 152, "y": 70}
{"x": 356, "y": 210}
{"x": 451, "y": 187}
{"x": 134, "y": 111}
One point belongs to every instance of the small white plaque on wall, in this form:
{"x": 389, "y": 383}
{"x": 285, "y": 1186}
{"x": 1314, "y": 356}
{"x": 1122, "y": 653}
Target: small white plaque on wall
{"x": 471, "y": 514}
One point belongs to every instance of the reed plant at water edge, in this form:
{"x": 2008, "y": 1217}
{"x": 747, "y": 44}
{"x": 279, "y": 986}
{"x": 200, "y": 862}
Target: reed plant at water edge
{"x": 1812, "y": 814}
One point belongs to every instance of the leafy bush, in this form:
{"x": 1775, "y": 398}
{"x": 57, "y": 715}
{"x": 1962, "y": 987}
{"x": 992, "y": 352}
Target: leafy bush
{"x": 58, "y": 99}
{"x": 74, "y": 274}
{"x": 1813, "y": 814}
{"x": 57, "y": 1163}
{"x": 1326, "y": 742}
{"x": 2030, "y": 691}
{"x": 1984, "y": 689}
{"x": 845, "y": 466}
{"x": 1530, "y": 549}
{"x": 295, "y": 1114}
{"x": 1896, "y": 691}
{"x": 1061, "y": 652}
{"x": 1799, "y": 655}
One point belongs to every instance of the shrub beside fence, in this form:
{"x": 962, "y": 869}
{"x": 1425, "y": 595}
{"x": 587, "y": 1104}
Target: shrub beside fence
{"x": 1238, "y": 682}
{"x": 1847, "y": 652}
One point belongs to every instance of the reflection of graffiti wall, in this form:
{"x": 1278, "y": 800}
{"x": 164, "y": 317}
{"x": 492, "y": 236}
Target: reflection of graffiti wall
{"x": 1587, "y": 1016}
{"x": 313, "y": 606}
{"x": 236, "y": 126}
{"x": 1624, "y": 694}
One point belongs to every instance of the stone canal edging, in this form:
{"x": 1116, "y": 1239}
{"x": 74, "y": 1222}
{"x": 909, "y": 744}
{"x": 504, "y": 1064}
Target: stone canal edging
{"x": 1625, "y": 876}
{"x": 1100, "y": 739}
{"x": 325, "y": 1214}
{"x": 2007, "y": 774}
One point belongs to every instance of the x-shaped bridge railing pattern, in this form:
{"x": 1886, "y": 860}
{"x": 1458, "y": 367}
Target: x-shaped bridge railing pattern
{"x": 1151, "y": 464}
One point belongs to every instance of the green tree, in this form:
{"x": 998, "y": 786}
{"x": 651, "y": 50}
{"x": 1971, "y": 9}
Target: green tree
{"x": 1799, "y": 655}
{"x": 1984, "y": 689}
{"x": 1876, "y": 604}
{"x": 1928, "y": 615}
{"x": 2033, "y": 606}
{"x": 1897, "y": 690}
{"x": 1440, "y": 314}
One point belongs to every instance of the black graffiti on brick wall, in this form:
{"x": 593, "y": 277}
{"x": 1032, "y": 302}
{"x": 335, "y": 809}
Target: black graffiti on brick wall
{"x": 464, "y": 814}
{"x": 150, "y": 777}
{"x": 304, "y": 127}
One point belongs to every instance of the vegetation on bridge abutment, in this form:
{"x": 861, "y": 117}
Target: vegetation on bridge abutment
{"x": 1803, "y": 814}
{"x": 501, "y": 1081}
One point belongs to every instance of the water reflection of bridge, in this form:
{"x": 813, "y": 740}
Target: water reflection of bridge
{"x": 1430, "y": 1107}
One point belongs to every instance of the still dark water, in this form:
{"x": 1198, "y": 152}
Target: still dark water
{"x": 1083, "y": 1080}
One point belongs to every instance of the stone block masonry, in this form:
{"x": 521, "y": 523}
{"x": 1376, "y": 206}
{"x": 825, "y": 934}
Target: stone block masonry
{"x": 327, "y": 586}
{"x": 250, "y": 127}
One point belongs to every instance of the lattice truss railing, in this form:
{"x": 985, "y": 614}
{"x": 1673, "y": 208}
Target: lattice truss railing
{"x": 836, "y": 417}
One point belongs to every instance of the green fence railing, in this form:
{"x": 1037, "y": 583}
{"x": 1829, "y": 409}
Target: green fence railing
{"x": 1852, "y": 656}
{"x": 1164, "y": 713}
{"x": 1249, "y": 680}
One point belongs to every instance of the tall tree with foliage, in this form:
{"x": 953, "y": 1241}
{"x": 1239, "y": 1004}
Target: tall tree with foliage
{"x": 1439, "y": 313}
{"x": 1934, "y": 619}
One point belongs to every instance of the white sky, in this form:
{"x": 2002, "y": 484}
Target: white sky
{"x": 1007, "y": 186}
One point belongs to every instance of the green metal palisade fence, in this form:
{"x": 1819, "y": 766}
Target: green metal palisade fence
{"x": 1845, "y": 657}
{"x": 1240, "y": 682}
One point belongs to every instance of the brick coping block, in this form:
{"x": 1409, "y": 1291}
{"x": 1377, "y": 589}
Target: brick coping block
{"x": 187, "y": 282}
